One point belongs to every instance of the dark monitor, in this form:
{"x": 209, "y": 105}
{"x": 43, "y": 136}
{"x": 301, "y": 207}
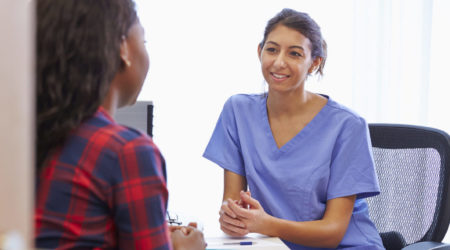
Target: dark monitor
{"x": 138, "y": 116}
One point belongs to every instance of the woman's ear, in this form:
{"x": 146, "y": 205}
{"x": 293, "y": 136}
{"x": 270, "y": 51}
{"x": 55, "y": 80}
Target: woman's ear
{"x": 125, "y": 52}
{"x": 315, "y": 65}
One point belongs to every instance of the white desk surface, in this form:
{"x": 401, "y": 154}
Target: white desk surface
{"x": 215, "y": 239}
{"x": 259, "y": 242}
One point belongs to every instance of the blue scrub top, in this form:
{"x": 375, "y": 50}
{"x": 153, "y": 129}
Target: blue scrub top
{"x": 330, "y": 157}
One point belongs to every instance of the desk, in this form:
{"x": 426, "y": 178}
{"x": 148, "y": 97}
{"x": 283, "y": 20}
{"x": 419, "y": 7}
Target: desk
{"x": 215, "y": 238}
{"x": 261, "y": 242}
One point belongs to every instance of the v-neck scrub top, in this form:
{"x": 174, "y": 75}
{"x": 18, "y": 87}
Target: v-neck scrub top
{"x": 330, "y": 157}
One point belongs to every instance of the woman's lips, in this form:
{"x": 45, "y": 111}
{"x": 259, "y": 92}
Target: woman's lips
{"x": 278, "y": 77}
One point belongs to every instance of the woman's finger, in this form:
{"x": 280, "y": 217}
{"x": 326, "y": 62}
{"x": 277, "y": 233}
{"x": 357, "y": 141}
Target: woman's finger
{"x": 225, "y": 209}
{"x": 192, "y": 224}
{"x": 245, "y": 197}
{"x": 232, "y": 230}
{"x": 229, "y": 220}
{"x": 239, "y": 211}
{"x": 174, "y": 228}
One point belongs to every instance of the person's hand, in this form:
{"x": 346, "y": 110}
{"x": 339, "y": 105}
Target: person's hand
{"x": 242, "y": 203}
{"x": 186, "y": 238}
{"x": 253, "y": 217}
{"x": 229, "y": 223}
{"x": 183, "y": 229}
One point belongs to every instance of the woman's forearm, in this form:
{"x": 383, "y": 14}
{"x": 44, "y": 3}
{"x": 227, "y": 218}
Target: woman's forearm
{"x": 317, "y": 233}
{"x": 326, "y": 232}
{"x": 233, "y": 184}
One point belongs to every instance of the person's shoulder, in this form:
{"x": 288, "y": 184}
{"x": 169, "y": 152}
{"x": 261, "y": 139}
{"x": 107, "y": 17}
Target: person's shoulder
{"x": 117, "y": 135}
{"x": 126, "y": 136}
{"x": 113, "y": 145}
{"x": 243, "y": 100}
{"x": 344, "y": 114}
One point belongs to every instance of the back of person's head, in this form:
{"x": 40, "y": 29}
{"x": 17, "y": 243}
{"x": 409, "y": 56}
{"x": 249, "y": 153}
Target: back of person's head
{"x": 78, "y": 55}
{"x": 304, "y": 24}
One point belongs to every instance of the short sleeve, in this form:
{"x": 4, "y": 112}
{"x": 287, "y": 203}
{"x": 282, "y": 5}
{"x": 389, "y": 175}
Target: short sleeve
{"x": 223, "y": 147}
{"x": 352, "y": 167}
{"x": 140, "y": 197}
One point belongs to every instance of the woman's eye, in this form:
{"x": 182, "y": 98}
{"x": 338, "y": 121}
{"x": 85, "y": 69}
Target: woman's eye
{"x": 296, "y": 54}
{"x": 271, "y": 50}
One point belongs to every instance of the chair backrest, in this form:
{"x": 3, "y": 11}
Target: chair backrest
{"x": 413, "y": 167}
{"x": 138, "y": 116}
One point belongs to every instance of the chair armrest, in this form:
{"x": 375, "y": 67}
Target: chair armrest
{"x": 427, "y": 245}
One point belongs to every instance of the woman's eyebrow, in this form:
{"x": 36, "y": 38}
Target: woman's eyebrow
{"x": 297, "y": 47}
{"x": 291, "y": 47}
{"x": 274, "y": 43}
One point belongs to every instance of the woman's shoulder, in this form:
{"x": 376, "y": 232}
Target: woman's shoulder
{"x": 118, "y": 135}
{"x": 124, "y": 136}
{"x": 244, "y": 100}
{"x": 341, "y": 112}
{"x": 119, "y": 140}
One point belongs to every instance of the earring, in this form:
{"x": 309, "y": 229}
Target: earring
{"x": 128, "y": 63}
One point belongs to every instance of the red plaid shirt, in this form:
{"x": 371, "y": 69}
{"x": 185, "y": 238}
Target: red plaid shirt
{"x": 104, "y": 189}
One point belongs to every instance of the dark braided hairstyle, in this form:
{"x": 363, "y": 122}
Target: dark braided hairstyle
{"x": 78, "y": 54}
{"x": 304, "y": 24}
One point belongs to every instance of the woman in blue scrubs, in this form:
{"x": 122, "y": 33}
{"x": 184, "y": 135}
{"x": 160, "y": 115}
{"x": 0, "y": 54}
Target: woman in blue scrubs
{"x": 306, "y": 159}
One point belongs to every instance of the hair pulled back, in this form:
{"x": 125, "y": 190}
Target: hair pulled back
{"x": 304, "y": 24}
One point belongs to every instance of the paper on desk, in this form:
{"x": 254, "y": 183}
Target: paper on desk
{"x": 260, "y": 242}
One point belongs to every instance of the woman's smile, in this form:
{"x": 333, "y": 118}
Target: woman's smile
{"x": 278, "y": 77}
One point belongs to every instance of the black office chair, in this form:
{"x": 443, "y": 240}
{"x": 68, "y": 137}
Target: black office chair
{"x": 413, "y": 167}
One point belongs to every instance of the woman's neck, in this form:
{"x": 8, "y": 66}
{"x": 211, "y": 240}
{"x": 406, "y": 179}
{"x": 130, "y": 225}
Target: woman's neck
{"x": 111, "y": 102}
{"x": 287, "y": 104}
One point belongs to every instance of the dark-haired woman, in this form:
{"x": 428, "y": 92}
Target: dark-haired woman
{"x": 100, "y": 185}
{"x": 305, "y": 158}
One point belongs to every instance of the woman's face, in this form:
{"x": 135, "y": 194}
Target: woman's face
{"x": 286, "y": 59}
{"x": 138, "y": 63}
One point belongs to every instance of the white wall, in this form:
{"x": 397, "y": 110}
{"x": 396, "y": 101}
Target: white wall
{"x": 203, "y": 51}
{"x": 16, "y": 112}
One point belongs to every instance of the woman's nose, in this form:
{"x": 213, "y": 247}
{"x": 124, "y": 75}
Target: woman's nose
{"x": 280, "y": 61}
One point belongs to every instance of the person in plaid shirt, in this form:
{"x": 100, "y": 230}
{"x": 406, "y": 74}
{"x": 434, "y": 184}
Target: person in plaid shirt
{"x": 99, "y": 185}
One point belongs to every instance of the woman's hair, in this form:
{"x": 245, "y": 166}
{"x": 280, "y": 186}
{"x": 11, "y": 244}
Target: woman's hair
{"x": 78, "y": 54}
{"x": 304, "y": 24}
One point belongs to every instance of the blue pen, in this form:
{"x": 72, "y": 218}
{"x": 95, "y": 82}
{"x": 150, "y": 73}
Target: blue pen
{"x": 242, "y": 243}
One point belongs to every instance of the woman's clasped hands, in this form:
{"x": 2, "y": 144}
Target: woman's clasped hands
{"x": 240, "y": 217}
{"x": 187, "y": 237}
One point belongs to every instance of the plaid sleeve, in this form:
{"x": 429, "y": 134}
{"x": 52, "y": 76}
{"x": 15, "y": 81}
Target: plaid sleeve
{"x": 140, "y": 198}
